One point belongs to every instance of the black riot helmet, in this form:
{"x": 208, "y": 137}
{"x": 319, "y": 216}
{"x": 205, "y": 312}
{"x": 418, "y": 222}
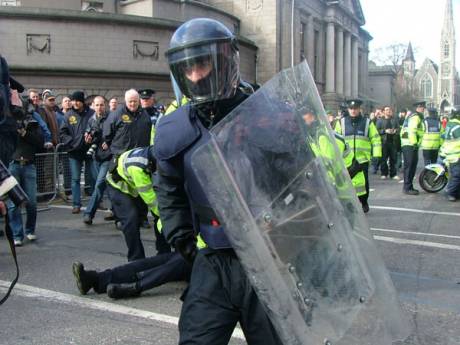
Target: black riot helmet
{"x": 204, "y": 60}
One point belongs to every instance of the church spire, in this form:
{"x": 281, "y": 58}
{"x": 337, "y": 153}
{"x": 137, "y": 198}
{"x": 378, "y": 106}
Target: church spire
{"x": 447, "y": 73}
{"x": 409, "y": 53}
{"x": 448, "y": 26}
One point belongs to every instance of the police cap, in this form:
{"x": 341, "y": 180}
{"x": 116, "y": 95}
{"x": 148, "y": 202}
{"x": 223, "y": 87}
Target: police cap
{"x": 146, "y": 93}
{"x": 354, "y": 103}
{"x": 420, "y": 104}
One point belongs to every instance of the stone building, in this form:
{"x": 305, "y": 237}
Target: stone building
{"x": 381, "y": 90}
{"x": 437, "y": 84}
{"x": 107, "y": 46}
{"x": 99, "y": 46}
{"x": 327, "y": 33}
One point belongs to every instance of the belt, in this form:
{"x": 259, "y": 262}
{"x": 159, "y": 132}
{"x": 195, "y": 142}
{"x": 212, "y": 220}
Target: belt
{"x": 23, "y": 161}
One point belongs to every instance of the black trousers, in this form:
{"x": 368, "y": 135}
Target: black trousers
{"x": 410, "y": 154}
{"x": 130, "y": 212}
{"x": 363, "y": 198}
{"x": 149, "y": 272}
{"x": 453, "y": 186}
{"x": 219, "y": 296}
{"x": 388, "y": 156}
{"x": 430, "y": 156}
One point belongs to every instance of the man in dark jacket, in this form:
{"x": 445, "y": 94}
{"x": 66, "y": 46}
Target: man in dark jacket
{"x": 127, "y": 127}
{"x": 22, "y": 167}
{"x": 388, "y": 128}
{"x": 72, "y": 134}
{"x": 101, "y": 154}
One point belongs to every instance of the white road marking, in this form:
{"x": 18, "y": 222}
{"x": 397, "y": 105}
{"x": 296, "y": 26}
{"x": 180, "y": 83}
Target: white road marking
{"x": 417, "y": 243}
{"x": 54, "y": 296}
{"x": 415, "y": 210}
{"x": 416, "y": 233}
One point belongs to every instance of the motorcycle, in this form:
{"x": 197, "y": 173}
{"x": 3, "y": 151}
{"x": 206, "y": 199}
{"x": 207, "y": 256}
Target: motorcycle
{"x": 434, "y": 177}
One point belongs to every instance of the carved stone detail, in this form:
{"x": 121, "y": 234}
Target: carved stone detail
{"x": 146, "y": 49}
{"x": 38, "y": 43}
{"x": 254, "y": 6}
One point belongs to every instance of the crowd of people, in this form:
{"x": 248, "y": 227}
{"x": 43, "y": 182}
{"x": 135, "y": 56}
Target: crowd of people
{"x": 392, "y": 143}
{"x": 128, "y": 151}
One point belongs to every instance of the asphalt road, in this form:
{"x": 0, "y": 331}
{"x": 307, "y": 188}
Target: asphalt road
{"x": 418, "y": 238}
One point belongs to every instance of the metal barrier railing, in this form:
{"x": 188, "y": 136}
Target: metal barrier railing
{"x": 54, "y": 175}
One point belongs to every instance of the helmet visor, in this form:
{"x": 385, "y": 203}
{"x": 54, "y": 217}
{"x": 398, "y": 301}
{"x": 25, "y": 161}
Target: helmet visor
{"x": 206, "y": 73}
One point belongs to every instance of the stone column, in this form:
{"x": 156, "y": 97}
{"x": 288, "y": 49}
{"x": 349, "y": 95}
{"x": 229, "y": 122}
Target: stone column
{"x": 310, "y": 53}
{"x": 330, "y": 58}
{"x": 347, "y": 65}
{"x": 354, "y": 67}
{"x": 339, "y": 62}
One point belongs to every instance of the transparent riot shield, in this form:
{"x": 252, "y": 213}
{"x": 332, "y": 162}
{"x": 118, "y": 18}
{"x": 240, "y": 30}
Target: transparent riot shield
{"x": 276, "y": 179}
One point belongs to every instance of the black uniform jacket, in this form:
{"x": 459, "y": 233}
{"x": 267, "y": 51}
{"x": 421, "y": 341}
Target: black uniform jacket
{"x": 29, "y": 144}
{"x": 124, "y": 130}
{"x": 72, "y": 132}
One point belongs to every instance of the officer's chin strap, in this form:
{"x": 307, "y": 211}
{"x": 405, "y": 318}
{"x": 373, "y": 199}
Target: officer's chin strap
{"x": 9, "y": 236}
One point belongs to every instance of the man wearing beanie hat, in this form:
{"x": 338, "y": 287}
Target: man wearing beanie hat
{"x": 72, "y": 134}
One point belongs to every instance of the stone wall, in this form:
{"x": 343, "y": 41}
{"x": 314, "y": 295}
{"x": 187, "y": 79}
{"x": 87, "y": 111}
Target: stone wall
{"x": 102, "y": 53}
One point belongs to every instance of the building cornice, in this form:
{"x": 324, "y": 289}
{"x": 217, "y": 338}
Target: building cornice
{"x": 83, "y": 16}
{"x": 83, "y": 72}
{"x": 100, "y": 17}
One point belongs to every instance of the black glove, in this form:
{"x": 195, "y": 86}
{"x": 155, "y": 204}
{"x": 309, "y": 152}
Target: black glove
{"x": 186, "y": 246}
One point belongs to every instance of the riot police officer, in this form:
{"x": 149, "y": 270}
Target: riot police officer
{"x": 204, "y": 61}
{"x": 411, "y": 138}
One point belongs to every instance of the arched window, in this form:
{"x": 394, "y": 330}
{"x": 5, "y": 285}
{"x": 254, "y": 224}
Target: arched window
{"x": 446, "y": 49}
{"x": 426, "y": 86}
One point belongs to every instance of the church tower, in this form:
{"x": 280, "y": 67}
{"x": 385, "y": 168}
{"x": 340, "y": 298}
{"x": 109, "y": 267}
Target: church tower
{"x": 447, "y": 73}
{"x": 409, "y": 62}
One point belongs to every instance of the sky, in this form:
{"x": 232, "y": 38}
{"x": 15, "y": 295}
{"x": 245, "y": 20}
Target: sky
{"x": 418, "y": 21}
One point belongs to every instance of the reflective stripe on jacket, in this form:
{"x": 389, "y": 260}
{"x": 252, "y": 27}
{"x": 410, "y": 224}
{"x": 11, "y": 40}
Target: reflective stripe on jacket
{"x": 412, "y": 130}
{"x": 450, "y": 148}
{"x": 432, "y": 134}
{"x": 362, "y": 137}
{"x": 134, "y": 170}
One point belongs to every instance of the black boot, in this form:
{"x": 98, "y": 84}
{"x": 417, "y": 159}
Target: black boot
{"x": 123, "y": 290}
{"x": 86, "y": 280}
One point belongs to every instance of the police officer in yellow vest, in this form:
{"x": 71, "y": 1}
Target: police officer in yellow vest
{"x": 431, "y": 141}
{"x": 364, "y": 140}
{"x": 130, "y": 189}
{"x": 322, "y": 146}
{"x": 450, "y": 150}
{"x": 411, "y": 138}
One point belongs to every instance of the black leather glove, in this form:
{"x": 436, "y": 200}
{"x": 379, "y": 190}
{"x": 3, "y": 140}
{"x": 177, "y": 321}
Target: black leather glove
{"x": 186, "y": 246}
